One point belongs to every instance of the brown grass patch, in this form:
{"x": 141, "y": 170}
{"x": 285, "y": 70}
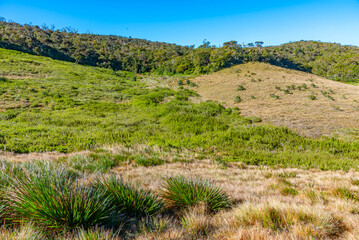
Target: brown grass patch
{"x": 293, "y": 108}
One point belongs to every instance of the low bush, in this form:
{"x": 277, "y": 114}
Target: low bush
{"x": 238, "y": 99}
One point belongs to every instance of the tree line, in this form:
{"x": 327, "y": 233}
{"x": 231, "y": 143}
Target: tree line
{"x": 330, "y": 60}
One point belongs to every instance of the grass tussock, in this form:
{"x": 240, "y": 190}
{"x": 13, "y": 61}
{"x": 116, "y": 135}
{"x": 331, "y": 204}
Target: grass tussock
{"x": 303, "y": 222}
{"x": 182, "y": 193}
{"x": 345, "y": 193}
{"x": 55, "y": 200}
{"x": 197, "y": 223}
{"x": 127, "y": 199}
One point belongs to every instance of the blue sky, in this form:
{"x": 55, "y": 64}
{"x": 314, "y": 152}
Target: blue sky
{"x": 190, "y": 22}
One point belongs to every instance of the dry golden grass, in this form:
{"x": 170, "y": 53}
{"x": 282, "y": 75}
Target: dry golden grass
{"x": 315, "y": 211}
{"x": 294, "y": 110}
{"x": 261, "y": 210}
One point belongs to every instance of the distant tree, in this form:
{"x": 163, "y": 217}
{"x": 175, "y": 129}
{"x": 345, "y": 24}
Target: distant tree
{"x": 205, "y": 44}
{"x": 231, "y": 44}
{"x": 259, "y": 43}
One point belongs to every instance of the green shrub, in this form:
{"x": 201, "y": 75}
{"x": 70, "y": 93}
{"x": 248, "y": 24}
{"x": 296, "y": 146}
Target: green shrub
{"x": 180, "y": 83}
{"x": 192, "y": 84}
{"x": 238, "y": 99}
{"x": 241, "y": 88}
{"x": 181, "y": 192}
{"x": 272, "y": 95}
{"x": 126, "y": 199}
{"x": 312, "y": 97}
{"x": 54, "y": 200}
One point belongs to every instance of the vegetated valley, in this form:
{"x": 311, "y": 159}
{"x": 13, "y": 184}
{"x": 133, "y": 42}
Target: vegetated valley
{"x": 106, "y": 137}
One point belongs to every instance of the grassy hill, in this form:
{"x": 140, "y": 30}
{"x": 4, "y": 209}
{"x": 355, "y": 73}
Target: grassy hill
{"x": 309, "y": 104}
{"x": 50, "y": 105}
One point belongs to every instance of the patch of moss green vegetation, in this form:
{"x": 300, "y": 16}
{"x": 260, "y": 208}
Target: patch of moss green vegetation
{"x": 50, "y": 105}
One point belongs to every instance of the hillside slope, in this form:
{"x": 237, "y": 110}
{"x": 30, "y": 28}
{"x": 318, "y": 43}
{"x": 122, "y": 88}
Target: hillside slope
{"x": 329, "y": 60}
{"x": 309, "y": 104}
{"x": 49, "y": 105}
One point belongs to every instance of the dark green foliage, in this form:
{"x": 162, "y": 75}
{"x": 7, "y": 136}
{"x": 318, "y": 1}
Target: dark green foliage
{"x": 141, "y": 56}
{"x": 54, "y": 200}
{"x": 181, "y": 192}
{"x": 241, "y": 88}
{"x": 180, "y": 83}
{"x": 126, "y": 199}
{"x": 238, "y": 99}
{"x": 312, "y": 97}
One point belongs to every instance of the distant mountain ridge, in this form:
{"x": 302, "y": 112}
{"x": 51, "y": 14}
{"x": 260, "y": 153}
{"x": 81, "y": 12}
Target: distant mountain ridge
{"x": 329, "y": 60}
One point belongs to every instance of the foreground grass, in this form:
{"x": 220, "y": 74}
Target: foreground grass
{"x": 259, "y": 209}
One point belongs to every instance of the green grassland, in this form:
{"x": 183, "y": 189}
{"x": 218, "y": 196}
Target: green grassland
{"x": 51, "y": 105}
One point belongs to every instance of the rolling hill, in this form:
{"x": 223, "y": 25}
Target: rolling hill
{"x": 309, "y": 104}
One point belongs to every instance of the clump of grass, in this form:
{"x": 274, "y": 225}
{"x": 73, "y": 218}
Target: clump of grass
{"x": 180, "y": 83}
{"x": 272, "y": 95}
{"x": 288, "y": 191}
{"x": 128, "y": 200}
{"x": 287, "y": 175}
{"x": 287, "y": 91}
{"x": 181, "y": 192}
{"x": 197, "y": 223}
{"x": 220, "y": 162}
{"x": 254, "y": 119}
{"x": 95, "y": 234}
{"x": 238, "y": 99}
{"x": 286, "y": 218}
{"x": 147, "y": 162}
{"x": 93, "y": 162}
{"x": 312, "y": 97}
{"x": 241, "y": 88}
{"x": 337, "y": 108}
{"x": 327, "y": 95}
{"x": 355, "y": 182}
{"x": 315, "y": 197}
{"x": 345, "y": 193}
{"x": 253, "y": 97}
{"x": 22, "y": 232}
{"x": 54, "y": 200}
{"x": 313, "y": 85}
